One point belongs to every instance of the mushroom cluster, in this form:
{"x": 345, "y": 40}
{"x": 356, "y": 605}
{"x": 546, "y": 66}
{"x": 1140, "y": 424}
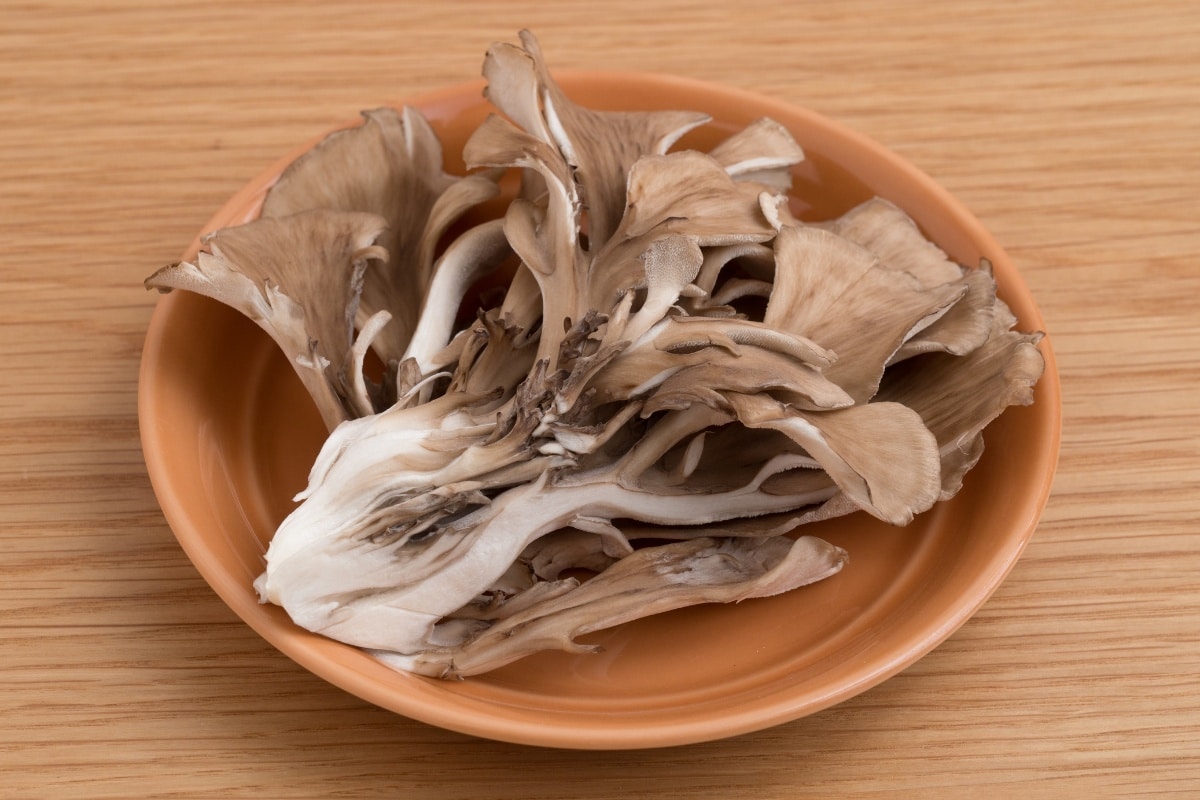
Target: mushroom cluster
{"x": 669, "y": 376}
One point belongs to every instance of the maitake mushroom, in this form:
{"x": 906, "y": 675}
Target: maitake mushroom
{"x": 677, "y": 375}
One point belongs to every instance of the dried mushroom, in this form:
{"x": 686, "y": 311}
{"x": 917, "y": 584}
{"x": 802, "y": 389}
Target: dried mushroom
{"x": 677, "y": 374}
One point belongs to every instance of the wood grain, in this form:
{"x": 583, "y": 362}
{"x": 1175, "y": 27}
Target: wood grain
{"x": 1069, "y": 128}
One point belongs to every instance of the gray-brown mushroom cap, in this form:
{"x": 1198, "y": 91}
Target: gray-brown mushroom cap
{"x": 391, "y": 165}
{"x": 299, "y": 277}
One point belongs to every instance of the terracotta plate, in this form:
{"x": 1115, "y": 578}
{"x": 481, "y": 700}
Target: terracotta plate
{"x": 229, "y": 436}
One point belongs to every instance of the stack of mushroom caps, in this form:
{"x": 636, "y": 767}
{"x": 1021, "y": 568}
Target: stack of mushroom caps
{"x": 676, "y": 375}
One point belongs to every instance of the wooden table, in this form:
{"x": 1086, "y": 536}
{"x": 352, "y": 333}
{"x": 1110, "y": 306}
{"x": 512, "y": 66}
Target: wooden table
{"x": 1072, "y": 129}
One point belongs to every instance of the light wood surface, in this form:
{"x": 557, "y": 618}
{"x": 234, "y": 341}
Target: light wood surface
{"x": 1072, "y": 129}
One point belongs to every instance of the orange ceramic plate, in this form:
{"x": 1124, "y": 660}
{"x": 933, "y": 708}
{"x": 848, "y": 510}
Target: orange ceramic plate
{"x": 229, "y": 436}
